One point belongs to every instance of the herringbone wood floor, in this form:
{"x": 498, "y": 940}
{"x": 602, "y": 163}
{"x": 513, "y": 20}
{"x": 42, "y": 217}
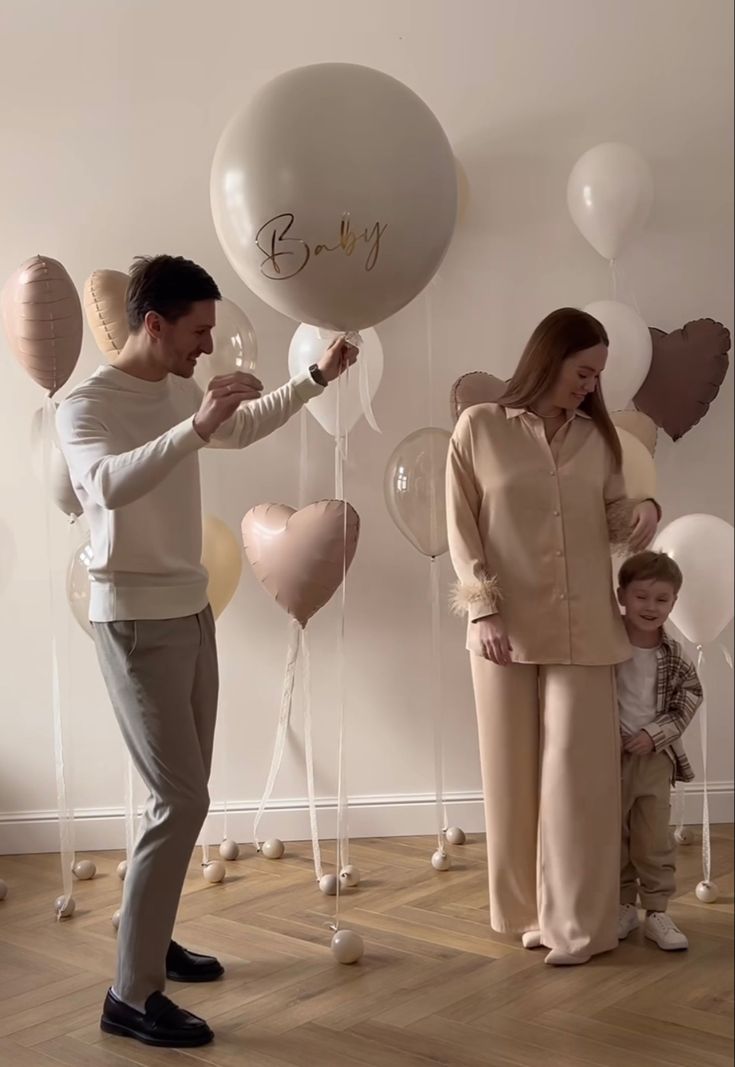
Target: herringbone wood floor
{"x": 436, "y": 986}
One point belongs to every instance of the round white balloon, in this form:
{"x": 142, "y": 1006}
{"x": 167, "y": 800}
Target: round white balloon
{"x": 347, "y": 946}
{"x": 441, "y": 861}
{"x": 307, "y": 347}
{"x": 334, "y": 195}
{"x": 629, "y": 354}
{"x": 55, "y": 475}
{"x": 455, "y": 835}
{"x": 703, "y": 546}
{"x": 214, "y": 871}
{"x": 609, "y": 195}
{"x": 328, "y": 885}
{"x": 273, "y": 849}
{"x": 707, "y": 892}
{"x": 229, "y": 849}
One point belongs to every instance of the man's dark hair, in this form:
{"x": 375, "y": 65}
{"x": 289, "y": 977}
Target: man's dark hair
{"x": 168, "y": 285}
{"x": 651, "y": 566}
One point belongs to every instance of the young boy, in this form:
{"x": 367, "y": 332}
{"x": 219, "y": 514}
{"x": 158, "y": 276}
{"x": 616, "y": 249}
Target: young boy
{"x": 658, "y": 694}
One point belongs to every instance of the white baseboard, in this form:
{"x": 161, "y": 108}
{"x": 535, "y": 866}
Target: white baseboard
{"x": 400, "y": 815}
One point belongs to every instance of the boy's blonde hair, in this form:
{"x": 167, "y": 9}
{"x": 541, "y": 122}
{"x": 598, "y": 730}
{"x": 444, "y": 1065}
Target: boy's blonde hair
{"x": 651, "y": 567}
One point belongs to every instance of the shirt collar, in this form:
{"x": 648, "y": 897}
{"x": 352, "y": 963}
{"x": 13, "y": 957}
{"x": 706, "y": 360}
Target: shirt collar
{"x": 513, "y": 413}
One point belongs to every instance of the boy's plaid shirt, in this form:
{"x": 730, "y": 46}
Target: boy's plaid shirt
{"x": 679, "y": 694}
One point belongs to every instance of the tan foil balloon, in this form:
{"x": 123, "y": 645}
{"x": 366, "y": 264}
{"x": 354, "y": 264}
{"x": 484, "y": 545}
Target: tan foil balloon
{"x": 639, "y": 470}
{"x": 104, "y": 306}
{"x": 477, "y": 387}
{"x": 42, "y": 316}
{"x": 414, "y": 489}
{"x": 300, "y": 556}
{"x": 222, "y": 560}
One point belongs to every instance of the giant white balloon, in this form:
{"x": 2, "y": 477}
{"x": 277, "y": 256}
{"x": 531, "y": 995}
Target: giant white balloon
{"x": 703, "y": 546}
{"x": 307, "y": 347}
{"x": 629, "y": 355}
{"x": 334, "y": 195}
{"x": 609, "y": 195}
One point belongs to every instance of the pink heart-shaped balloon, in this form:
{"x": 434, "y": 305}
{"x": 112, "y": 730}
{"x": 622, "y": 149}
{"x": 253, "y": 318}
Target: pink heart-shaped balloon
{"x": 301, "y": 557}
{"x": 688, "y": 367}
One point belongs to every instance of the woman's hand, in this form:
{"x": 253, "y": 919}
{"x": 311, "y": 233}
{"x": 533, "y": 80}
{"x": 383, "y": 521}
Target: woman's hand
{"x": 494, "y": 640}
{"x": 645, "y": 524}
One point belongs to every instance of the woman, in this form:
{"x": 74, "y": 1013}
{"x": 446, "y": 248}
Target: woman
{"x": 535, "y": 496}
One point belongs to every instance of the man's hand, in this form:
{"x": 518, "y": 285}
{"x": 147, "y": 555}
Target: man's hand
{"x": 641, "y": 744}
{"x": 222, "y": 399}
{"x": 645, "y": 524}
{"x": 339, "y": 356}
{"x": 494, "y": 640}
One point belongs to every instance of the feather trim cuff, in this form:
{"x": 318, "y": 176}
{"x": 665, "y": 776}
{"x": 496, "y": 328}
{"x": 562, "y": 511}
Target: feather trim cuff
{"x": 475, "y": 600}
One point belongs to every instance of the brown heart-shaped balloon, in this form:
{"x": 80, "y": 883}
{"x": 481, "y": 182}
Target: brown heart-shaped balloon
{"x": 688, "y": 367}
{"x": 300, "y": 557}
{"x": 479, "y": 387}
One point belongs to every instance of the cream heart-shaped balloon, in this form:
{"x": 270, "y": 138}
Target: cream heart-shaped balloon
{"x": 301, "y": 557}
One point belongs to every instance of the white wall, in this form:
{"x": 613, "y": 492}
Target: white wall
{"x": 111, "y": 110}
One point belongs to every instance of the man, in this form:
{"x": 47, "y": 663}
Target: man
{"x": 131, "y": 435}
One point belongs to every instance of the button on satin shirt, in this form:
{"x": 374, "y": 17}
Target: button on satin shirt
{"x": 530, "y": 528}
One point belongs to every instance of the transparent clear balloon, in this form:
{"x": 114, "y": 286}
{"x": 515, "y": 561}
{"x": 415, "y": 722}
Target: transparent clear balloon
{"x": 77, "y": 581}
{"x": 235, "y": 345}
{"x": 414, "y": 489}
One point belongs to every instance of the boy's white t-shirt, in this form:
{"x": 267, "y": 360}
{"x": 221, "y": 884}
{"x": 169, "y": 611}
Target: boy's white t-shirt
{"x": 637, "y": 681}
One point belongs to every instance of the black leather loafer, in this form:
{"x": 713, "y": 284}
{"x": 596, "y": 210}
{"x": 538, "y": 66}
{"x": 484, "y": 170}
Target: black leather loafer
{"x": 162, "y": 1023}
{"x": 185, "y": 966}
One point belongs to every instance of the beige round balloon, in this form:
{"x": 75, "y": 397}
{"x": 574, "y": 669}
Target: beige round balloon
{"x": 334, "y": 195}
{"x": 639, "y": 470}
{"x": 222, "y": 560}
{"x": 42, "y": 315}
{"x": 414, "y": 489}
{"x": 104, "y": 306}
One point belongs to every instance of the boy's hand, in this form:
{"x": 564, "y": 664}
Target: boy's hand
{"x": 640, "y": 745}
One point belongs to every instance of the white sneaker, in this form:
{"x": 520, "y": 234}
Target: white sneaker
{"x": 662, "y": 929}
{"x": 627, "y": 920}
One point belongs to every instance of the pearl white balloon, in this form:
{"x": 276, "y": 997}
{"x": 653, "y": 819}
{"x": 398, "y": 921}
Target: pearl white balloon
{"x": 609, "y": 196}
{"x": 64, "y": 908}
{"x": 456, "y": 836}
{"x": 214, "y": 871}
{"x": 3, "y": 889}
{"x": 307, "y": 347}
{"x": 334, "y": 195}
{"x": 273, "y": 849}
{"x": 703, "y": 546}
{"x": 347, "y": 946}
{"x": 441, "y": 861}
{"x": 55, "y": 476}
{"x": 116, "y": 919}
{"x": 629, "y": 353}
{"x": 328, "y": 885}
{"x": 682, "y": 836}
{"x": 707, "y": 892}
{"x": 235, "y": 345}
{"x": 229, "y": 849}
{"x": 122, "y": 870}
{"x": 84, "y": 870}
{"x": 350, "y": 876}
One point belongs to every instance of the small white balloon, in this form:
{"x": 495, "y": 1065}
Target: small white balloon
{"x": 116, "y": 919}
{"x": 328, "y": 885}
{"x": 609, "y": 195}
{"x": 350, "y": 876}
{"x": 707, "y": 892}
{"x": 122, "y": 870}
{"x": 214, "y": 871}
{"x": 64, "y": 907}
{"x": 441, "y": 861}
{"x": 229, "y": 849}
{"x": 682, "y": 836}
{"x": 347, "y": 946}
{"x": 456, "y": 836}
{"x": 273, "y": 849}
{"x": 84, "y": 870}
{"x": 3, "y": 890}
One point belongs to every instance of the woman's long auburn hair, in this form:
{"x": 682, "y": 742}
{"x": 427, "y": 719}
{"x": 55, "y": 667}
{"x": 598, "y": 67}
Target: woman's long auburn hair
{"x": 562, "y": 334}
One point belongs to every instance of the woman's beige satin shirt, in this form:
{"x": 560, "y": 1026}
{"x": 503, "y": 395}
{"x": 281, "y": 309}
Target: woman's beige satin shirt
{"x": 530, "y": 528}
